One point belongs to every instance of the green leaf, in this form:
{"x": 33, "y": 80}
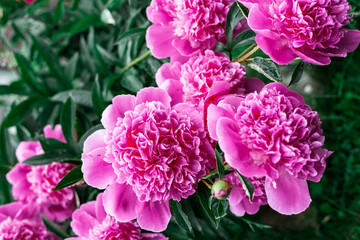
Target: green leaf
{"x": 247, "y": 185}
{"x": 17, "y": 87}
{"x": 70, "y": 67}
{"x": 131, "y": 33}
{"x": 297, "y": 74}
{"x": 131, "y": 81}
{"x": 28, "y": 74}
{"x": 251, "y": 225}
{"x": 20, "y": 112}
{"x": 54, "y": 228}
{"x": 219, "y": 164}
{"x": 67, "y": 120}
{"x": 265, "y": 67}
{"x": 180, "y": 217}
{"x": 72, "y": 177}
{"x": 51, "y": 61}
{"x": 204, "y": 195}
{"x": 51, "y": 144}
{"x": 243, "y": 9}
{"x": 107, "y": 17}
{"x": 233, "y": 17}
{"x": 98, "y": 101}
{"x": 244, "y": 38}
{"x": 59, "y": 12}
{"x": 49, "y": 157}
{"x": 88, "y": 133}
{"x": 81, "y": 97}
{"x": 223, "y": 208}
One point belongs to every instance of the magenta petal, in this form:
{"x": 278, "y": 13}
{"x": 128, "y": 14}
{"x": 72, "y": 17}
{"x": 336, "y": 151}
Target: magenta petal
{"x": 261, "y": 24}
{"x": 291, "y": 195}
{"x": 214, "y": 114}
{"x": 168, "y": 71}
{"x": 153, "y": 236}
{"x": 159, "y": 40}
{"x": 277, "y": 49}
{"x": 253, "y": 85}
{"x": 151, "y": 94}
{"x": 313, "y": 57}
{"x": 99, "y": 208}
{"x": 121, "y": 202}
{"x": 184, "y": 47}
{"x": 97, "y": 172}
{"x": 56, "y": 133}
{"x": 236, "y": 153}
{"x": 11, "y": 209}
{"x": 154, "y": 216}
{"x": 84, "y": 219}
{"x": 26, "y": 149}
{"x": 285, "y": 91}
{"x": 121, "y": 104}
{"x": 175, "y": 90}
{"x": 347, "y": 44}
{"x": 186, "y": 110}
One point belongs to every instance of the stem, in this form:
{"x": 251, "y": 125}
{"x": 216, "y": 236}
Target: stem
{"x": 214, "y": 172}
{"x": 246, "y": 56}
{"x": 206, "y": 183}
{"x": 135, "y": 61}
{"x": 246, "y": 50}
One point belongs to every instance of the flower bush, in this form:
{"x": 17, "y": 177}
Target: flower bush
{"x": 106, "y": 139}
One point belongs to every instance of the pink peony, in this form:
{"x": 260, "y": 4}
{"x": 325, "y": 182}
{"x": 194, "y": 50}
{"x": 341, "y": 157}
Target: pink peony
{"x": 34, "y": 184}
{"x": 184, "y": 27}
{"x": 18, "y": 221}
{"x": 272, "y": 134}
{"x": 310, "y": 29}
{"x": 148, "y": 154}
{"x": 91, "y": 221}
{"x": 203, "y": 79}
{"x": 239, "y": 201}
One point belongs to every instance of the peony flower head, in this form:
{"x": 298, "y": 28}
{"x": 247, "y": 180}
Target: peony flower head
{"x": 184, "y": 27}
{"x": 272, "y": 134}
{"x": 310, "y": 29}
{"x": 203, "y": 79}
{"x": 34, "y": 184}
{"x": 149, "y": 153}
{"x": 19, "y": 221}
{"x": 238, "y": 200}
{"x": 91, "y": 221}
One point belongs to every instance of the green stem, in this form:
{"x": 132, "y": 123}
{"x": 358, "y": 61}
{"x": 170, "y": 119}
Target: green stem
{"x": 246, "y": 56}
{"x": 215, "y": 172}
{"x": 135, "y": 61}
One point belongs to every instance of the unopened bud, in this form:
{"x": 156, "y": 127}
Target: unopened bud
{"x": 221, "y": 189}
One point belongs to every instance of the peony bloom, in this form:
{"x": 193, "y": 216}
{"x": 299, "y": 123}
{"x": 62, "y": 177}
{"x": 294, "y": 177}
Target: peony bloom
{"x": 310, "y": 29}
{"x": 18, "y": 221}
{"x": 272, "y": 134}
{"x": 239, "y": 201}
{"x": 184, "y": 27}
{"x": 34, "y": 184}
{"x": 91, "y": 221}
{"x": 203, "y": 79}
{"x": 148, "y": 153}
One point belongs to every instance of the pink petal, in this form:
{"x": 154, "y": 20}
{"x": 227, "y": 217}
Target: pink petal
{"x": 185, "y": 109}
{"x": 97, "y": 172}
{"x": 285, "y": 91}
{"x": 168, "y": 71}
{"x": 84, "y": 219}
{"x": 260, "y": 23}
{"x": 11, "y": 209}
{"x": 159, "y": 40}
{"x": 312, "y": 56}
{"x": 153, "y": 236}
{"x": 99, "y": 208}
{"x": 291, "y": 195}
{"x": 121, "y": 104}
{"x": 158, "y": 15}
{"x": 214, "y": 114}
{"x": 56, "y": 133}
{"x": 277, "y": 49}
{"x": 154, "y": 216}
{"x": 253, "y": 85}
{"x": 26, "y": 149}
{"x": 347, "y": 44}
{"x": 175, "y": 90}
{"x": 184, "y": 47}
{"x": 151, "y": 94}
{"x": 236, "y": 153}
{"x": 121, "y": 202}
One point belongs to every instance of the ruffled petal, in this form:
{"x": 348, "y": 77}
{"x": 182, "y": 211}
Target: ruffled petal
{"x": 121, "y": 104}
{"x": 159, "y": 40}
{"x": 151, "y": 94}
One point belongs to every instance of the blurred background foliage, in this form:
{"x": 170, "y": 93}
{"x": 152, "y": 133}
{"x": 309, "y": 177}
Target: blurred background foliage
{"x": 93, "y": 50}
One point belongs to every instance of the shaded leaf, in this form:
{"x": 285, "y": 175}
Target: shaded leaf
{"x": 81, "y": 97}
{"x": 233, "y": 17}
{"x": 247, "y": 185}
{"x": 20, "y": 112}
{"x": 49, "y": 157}
{"x": 243, "y": 9}
{"x": 88, "y": 133}
{"x": 204, "y": 195}
{"x": 219, "y": 164}
{"x": 54, "y": 228}
{"x": 180, "y": 217}
{"x": 244, "y": 38}
{"x": 67, "y": 120}
{"x": 297, "y": 74}
{"x": 266, "y": 68}
{"x": 98, "y": 101}
{"x": 59, "y": 12}
{"x": 51, "y": 144}
{"x": 72, "y": 177}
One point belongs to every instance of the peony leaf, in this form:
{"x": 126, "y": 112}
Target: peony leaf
{"x": 180, "y": 217}
{"x": 233, "y": 17}
{"x": 20, "y": 112}
{"x": 67, "y": 121}
{"x": 51, "y": 144}
{"x": 244, "y": 38}
{"x": 80, "y": 97}
{"x": 223, "y": 208}
{"x": 266, "y": 68}
{"x": 219, "y": 163}
{"x": 98, "y": 102}
{"x": 50, "y": 157}
{"x": 247, "y": 185}
{"x": 204, "y": 195}
{"x": 59, "y": 12}
{"x": 243, "y": 9}
{"x": 54, "y": 228}
{"x": 297, "y": 74}
{"x": 72, "y": 177}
